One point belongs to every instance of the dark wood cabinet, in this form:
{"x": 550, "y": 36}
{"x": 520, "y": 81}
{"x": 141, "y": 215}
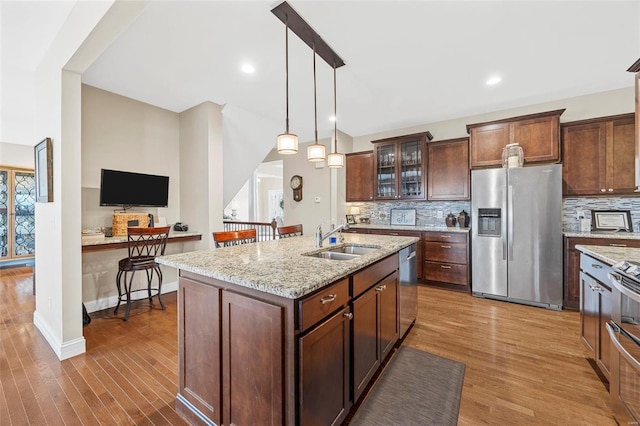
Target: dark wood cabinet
{"x": 325, "y": 374}
{"x": 448, "y": 173}
{"x": 359, "y": 176}
{"x": 446, "y": 259}
{"x": 572, "y": 264}
{"x": 599, "y": 156}
{"x": 400, "y": 168}
{"x": 375, "y": 329}
{"x": 537, "y": 134}
{"x": 595, "y": 311}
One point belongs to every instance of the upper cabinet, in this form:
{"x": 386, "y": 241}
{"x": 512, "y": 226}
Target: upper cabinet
{"x": 359, "y": 176}
{"x": 537, "y": 134}
{"x": 448, "y": 172}
{"x": 399, "y": 168}
{"x": 599, "y": 156}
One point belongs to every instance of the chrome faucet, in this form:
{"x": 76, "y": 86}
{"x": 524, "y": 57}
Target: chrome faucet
{"x": 320, "y": 238}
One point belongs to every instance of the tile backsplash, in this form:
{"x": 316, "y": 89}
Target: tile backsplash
{"x": 571, "y": 205}
{"x": 427, "y": 211}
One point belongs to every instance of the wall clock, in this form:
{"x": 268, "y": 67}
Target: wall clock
{"x": 296, "y": 185}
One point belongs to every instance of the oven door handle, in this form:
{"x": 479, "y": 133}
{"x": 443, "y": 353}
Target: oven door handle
{"x": 616, "y": 343}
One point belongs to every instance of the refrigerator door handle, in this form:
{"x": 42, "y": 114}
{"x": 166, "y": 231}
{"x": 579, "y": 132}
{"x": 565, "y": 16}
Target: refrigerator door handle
{"x": 510, "y": 234}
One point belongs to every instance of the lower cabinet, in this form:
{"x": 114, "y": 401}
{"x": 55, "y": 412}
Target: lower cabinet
{"x": 375, "y": 330}
{"x": 571, "y": 298}
{"x": 217, "y": 382}
{"x": 324, "y": 371}
{"x": 446, "y": 259}
{"x": 595, "y": 311}
{"x": 247, "y": 357}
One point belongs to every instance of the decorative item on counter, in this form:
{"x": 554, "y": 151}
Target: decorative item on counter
{"x": 463, "y": 219}
{"x": 365, "y": 220}
{"x": 450, "y": 220}
{"x": 512, "y": 156}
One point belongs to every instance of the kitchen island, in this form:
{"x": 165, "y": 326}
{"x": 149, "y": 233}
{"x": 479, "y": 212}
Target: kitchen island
{"x": 271, "y": 334}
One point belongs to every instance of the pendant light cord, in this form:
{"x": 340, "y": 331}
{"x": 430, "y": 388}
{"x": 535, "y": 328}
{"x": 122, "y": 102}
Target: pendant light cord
{"x": 286, "y": 66}
{"x": 335, "y": 112}
{"x": 315, "y": 102}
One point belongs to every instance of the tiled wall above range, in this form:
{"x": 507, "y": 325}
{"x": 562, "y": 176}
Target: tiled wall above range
{"x": 426, "y": 211}
{"x": 571, "y": 205}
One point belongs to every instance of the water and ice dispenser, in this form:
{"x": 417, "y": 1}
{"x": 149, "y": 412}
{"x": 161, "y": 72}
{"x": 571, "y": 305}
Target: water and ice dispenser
{"x": 489, "y": 222}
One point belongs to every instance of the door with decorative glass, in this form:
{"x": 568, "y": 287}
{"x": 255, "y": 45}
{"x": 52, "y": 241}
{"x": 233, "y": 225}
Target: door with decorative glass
{"x": 17, "y": 213}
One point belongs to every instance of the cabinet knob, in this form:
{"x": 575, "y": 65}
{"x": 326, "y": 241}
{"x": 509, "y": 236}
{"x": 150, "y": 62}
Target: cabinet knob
{"x": 348, "y": 315}
{"x": 617, "y": 245}
{"x": 381, "y": 288}
{"x": 610, "y": 189}
{"x": 603, "y": 190}
{"x": 447, "y": 247}
{"x": 328, "y": 299}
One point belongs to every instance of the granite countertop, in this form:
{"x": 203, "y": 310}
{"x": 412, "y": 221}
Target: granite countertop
{"x": 123, "y": 239}
{"x": 279, "y": 266}
{"x": 616, "y": 235}
{"x": 610, "y": 255}
{"x": 410, "y": 228}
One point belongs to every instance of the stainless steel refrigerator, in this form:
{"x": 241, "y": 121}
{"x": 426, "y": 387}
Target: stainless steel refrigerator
{"x": 517, "y": 234}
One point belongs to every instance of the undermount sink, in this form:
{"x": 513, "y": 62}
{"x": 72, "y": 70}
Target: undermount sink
{"x": 334, "y": 255}
{"x": 353, "y": 249}
{"x": 346, "y": 252}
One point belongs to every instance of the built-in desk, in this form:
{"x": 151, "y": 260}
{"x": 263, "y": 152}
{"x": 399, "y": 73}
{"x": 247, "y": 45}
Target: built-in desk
{"x": 111, "y": 243}
{"x": 100, "y": 267}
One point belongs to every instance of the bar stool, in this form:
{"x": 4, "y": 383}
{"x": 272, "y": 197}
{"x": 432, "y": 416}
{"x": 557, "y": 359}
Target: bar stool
{"x": 289, "y": 231}
{"x": 234, "y": 238}
{"x": 143, "y": 245}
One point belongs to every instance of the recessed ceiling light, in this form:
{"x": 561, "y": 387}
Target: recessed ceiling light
{"x": 493, "y": 80}
{"x": 248, "y": 69}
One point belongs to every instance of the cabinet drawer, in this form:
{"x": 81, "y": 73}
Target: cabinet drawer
{"x": 595, "y": 268}
{"x": 395, "y": 233}
{"x": 445, "y": 237}
{"x": 374, "y": 273}
{"x": 446, "y": 272}
{"x": 445, "y": 252}
{"x": 318, "y": 306}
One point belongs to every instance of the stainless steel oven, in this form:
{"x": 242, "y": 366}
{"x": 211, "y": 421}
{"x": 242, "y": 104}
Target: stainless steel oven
{"x": 624, "y": 331}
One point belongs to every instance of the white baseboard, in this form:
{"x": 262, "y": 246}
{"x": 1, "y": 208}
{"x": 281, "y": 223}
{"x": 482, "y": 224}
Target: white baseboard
{"x": 112, "y": 301}
{"x": 63, "y": 350}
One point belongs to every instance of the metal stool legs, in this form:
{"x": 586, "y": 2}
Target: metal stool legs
{"x": 121, "y": 279}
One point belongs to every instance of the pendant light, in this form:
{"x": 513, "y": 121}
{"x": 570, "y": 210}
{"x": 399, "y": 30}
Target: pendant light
{"x": 315, "y": 151}
{"x": 335, "y": 160}
{"x": 287, "y": 143}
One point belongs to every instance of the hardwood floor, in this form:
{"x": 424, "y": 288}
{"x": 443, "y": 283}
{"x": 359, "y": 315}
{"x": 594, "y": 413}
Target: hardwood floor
{"x": 524, "y": 365}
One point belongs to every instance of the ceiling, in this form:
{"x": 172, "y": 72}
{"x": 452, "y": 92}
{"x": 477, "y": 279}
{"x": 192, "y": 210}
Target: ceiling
{"x": 407, "y": 62}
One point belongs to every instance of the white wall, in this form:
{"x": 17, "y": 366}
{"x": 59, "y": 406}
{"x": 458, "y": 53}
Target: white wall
{"x": 89, "y": 29}
{"x": 16, "y": 155}
{"x": 582, "y": 107}
{"x": 201, "y": 157}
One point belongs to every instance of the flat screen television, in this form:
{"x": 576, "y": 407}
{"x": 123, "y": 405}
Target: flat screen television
{"x": 128, "y": 189}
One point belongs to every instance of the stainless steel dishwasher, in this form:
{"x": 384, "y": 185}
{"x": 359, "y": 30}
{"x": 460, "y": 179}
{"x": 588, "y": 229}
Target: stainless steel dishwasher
{"x": 408, "y": 288}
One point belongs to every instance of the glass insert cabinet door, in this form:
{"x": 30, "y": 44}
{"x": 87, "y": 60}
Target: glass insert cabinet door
{"x": 386, "y": 171}
{"x": 17, "y": 213}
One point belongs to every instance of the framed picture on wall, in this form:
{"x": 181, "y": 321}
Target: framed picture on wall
{"x": 351, "y": 220}
{"x": 403, "y": 217}
{"x": 44, "y": 171}
{"x": 611, "y": 220}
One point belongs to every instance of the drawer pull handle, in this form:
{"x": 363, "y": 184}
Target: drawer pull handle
{"x": 381, "y": 288}
{"x": 595, "y": 266}
{"x": 447, "y": 247}
{"x": 348, "y": 315}
{"x": 595, "y": 287}
{"x": 393, "y": 233}
{"x": 328, "y": 299}
{"x": 617, "y": 245}
{"x": 445, "y": 267}
{"x": 445, "y": 236}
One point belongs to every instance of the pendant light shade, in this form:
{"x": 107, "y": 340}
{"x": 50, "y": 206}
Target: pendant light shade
{"x": 315, "y": 151}
{"x": 287, "y": 143}
{"x": 335, "y": 160}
